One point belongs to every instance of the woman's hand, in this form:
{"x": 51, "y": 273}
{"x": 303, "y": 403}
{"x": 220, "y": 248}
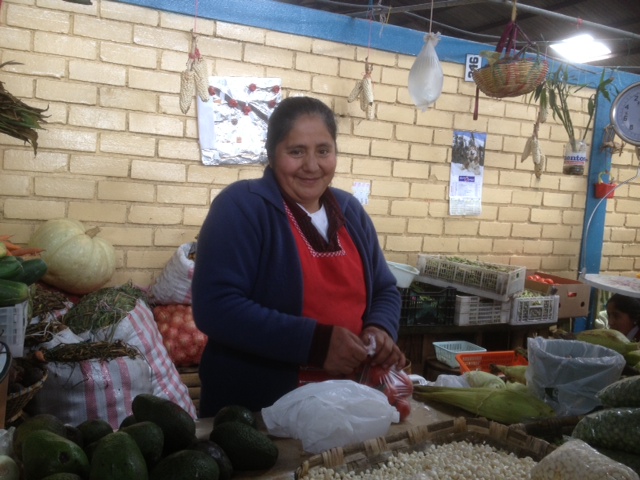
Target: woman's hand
{"x": 387, "y": 353}
{"x": 346, "y": 352}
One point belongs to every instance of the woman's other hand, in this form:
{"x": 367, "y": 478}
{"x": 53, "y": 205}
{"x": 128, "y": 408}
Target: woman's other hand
{"x": 346, "y": 352}
{"x": 387, "y": 353}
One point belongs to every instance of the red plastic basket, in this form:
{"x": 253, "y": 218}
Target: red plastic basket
{"x": 482, "y": 360}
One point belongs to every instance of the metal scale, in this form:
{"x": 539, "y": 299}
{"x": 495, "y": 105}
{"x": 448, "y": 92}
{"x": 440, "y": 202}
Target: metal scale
{"x": 625, "y": 119}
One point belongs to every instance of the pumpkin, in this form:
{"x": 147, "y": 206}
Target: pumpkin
{"x": 78, "y": 261}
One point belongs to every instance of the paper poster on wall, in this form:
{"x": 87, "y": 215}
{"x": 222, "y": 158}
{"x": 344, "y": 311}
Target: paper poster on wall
{"x": 232, "y": 125}
{"x": 467, "y": 168}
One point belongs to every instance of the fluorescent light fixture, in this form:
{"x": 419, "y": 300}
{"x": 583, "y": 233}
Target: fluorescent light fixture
{"x": 581, "y": 49}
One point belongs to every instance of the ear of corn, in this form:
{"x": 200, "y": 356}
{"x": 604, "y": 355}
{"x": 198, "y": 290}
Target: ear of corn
{"x": 513, "y": 373}
{"x": 609, "y": 338}
{"x": 527, "y": 149}
{"x": 478, "y": 379}
{"x": 501, "y": 405}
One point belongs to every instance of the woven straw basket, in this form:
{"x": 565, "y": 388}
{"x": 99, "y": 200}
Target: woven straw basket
{"x": 18, "y": 400}
{"x": 375, "y": 452}
{"x": 510, "y": 77}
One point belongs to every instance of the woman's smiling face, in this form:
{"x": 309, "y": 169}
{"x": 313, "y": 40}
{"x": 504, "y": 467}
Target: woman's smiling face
{"x": 305, "y": 161}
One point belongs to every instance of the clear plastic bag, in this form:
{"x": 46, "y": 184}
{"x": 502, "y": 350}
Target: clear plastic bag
{"x": 330, "y": 414}
{"x": 426, "y": 77}
{"x": 576, "y": 459}
{"x": 394, "y": 383}
{"x": 568, "y": 374}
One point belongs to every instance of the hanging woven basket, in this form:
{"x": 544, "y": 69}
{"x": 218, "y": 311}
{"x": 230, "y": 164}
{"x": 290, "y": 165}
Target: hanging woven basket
{"x": 511, "y": 77}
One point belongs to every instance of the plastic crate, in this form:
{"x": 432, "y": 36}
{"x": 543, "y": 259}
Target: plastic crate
{"x": 532, "y": 310}
{"x": 446, "y": 351}
{"x": 472, "y": 310}
{"x": 424, "y": 304}
{"x": 470, "y": 361}
{"x": 495, "y": 281}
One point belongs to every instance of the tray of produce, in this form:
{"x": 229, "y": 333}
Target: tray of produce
{"x": 491, "y": 280}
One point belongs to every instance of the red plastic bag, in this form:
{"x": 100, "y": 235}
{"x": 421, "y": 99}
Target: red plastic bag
{"x": 394, "y": 383}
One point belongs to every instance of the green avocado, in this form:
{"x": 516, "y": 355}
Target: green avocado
{"x": 45, "y": 453}
{"x": 187, "y": 465}
{"x": 246, "y": 447}
{"x": 117, "y": 456}
{"x": 178, "y": 427}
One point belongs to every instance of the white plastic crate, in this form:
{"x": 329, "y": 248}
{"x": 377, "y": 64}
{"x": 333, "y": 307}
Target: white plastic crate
{"x": 532, "y": 310}
{"x": 13, "y": 326}
{"x": 491, "y": 280}
{"x": 446, "y": 351}
{"x": 473, "y": 310}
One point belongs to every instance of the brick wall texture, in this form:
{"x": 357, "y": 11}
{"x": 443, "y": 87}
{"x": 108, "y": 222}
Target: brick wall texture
{"x": 118, "y": 153}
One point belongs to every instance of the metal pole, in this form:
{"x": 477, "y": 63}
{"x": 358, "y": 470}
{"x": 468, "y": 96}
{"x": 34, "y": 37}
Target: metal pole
{"x": 567, "y": 18}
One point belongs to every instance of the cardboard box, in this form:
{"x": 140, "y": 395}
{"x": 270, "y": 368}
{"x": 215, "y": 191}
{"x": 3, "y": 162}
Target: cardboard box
{"x": 574, "y": 295}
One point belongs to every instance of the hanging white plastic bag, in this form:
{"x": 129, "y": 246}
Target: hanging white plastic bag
{"x": 330, "y": 414}
{"x": 426, "y": 77}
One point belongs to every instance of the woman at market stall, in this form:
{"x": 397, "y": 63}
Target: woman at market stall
{"x": 623, "y": 314}
{"x": 290, "y": 283}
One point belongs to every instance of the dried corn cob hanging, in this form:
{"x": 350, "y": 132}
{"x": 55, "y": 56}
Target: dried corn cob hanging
{"x": 364, "y": 91}
{"x": 195, "y": 78}
{"x": 532, "y": 147}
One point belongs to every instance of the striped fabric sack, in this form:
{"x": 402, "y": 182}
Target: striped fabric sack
{"x": 91, "y": 389}
{"x": 139, "y": 329}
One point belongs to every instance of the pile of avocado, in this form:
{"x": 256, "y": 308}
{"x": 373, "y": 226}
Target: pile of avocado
{"x": 157, "y": 442}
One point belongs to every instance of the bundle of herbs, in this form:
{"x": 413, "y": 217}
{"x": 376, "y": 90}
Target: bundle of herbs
{"x": 103, "y": 308}
{"x": 17, "y": 119}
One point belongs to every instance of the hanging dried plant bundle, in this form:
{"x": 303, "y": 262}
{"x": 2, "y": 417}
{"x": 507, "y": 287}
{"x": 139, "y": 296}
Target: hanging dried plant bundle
{"x": 78, "y": 352}
{"x": 194, "y": 79}
{"x": 17, "y": 119}
{"x": 103, "y": 308}
{"x": 187, "y": 89}
{"x": 532, "y": 147}
{"x": 364, "y": 91}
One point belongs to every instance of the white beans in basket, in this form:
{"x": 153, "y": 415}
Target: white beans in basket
{"x": 450, "y": 461}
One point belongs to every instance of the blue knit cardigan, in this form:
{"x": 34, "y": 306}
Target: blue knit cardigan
{"x": 247, "y": 294}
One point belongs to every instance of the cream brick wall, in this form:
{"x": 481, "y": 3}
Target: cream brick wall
{"x": 118, "y": 153}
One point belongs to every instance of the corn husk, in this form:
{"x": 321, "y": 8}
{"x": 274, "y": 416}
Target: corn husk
{"x": 609, "y": 338}
{"x": 501, "y": 405}
{"x": 513, "y": 373}
{"x": 480, "y": 379}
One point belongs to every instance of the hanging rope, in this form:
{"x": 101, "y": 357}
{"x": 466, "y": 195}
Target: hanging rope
{"x": 195, "y": 78}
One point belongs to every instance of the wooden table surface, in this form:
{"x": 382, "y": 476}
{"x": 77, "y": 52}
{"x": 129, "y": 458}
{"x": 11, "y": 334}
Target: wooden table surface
{"x": 291, "y": 454}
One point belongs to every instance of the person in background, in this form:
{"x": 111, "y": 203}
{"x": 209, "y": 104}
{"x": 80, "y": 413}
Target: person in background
{"x": 623, "y": 314}
{"x": 290, "y": 283}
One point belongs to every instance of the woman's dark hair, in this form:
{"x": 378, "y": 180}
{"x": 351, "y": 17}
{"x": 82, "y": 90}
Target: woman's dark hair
{"x": 287, "y": 112}
{"x": 628, "y": 305}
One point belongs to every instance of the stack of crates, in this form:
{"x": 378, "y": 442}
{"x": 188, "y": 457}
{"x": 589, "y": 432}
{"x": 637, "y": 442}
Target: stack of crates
{"x": 487, "y": 293}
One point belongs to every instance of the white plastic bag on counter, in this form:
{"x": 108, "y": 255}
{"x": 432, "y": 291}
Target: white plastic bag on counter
{"x": 330, "y": 414}
{"x": 426, "y": 76}
{"x": 568, "y": 374}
